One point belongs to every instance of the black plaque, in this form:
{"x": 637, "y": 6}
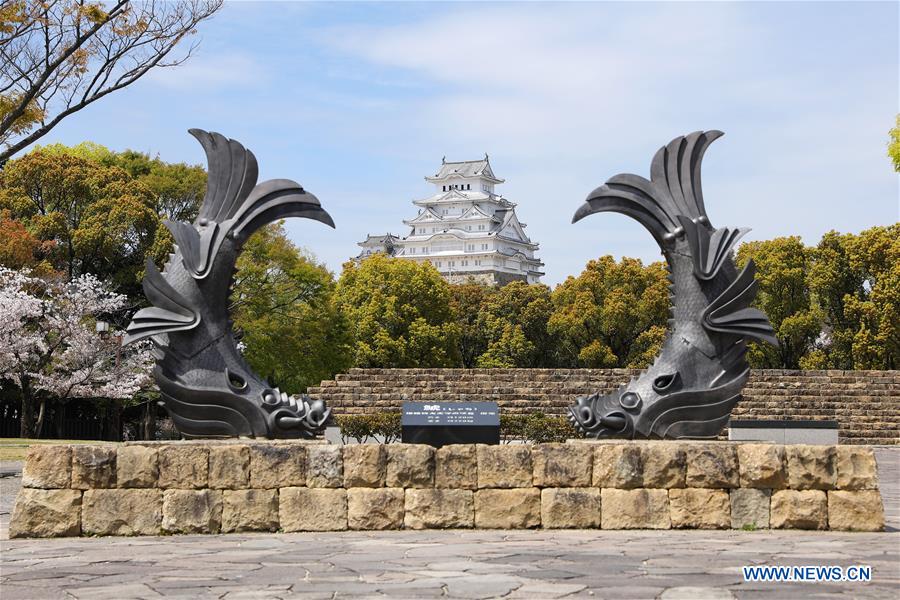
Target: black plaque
{"x": 442, "y": 423}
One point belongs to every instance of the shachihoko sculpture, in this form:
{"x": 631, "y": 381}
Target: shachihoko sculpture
{"x": 207, "y": 387}
{"x": 697, "y": 378}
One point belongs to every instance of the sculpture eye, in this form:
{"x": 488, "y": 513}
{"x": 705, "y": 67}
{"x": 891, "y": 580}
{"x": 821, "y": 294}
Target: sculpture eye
{"x": 235, "y": 381}
{"x": 270, "y": 397}
{"x": 630, "y": 400}
{"x": 666, "y": 383}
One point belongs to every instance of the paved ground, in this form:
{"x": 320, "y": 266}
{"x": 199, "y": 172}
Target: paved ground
{"x": 456, "y": 564}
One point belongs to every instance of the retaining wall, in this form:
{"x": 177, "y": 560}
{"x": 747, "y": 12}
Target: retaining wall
{"x": 221, "y": 487}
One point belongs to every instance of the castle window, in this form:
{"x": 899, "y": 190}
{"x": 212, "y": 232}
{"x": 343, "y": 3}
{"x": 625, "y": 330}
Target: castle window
{"x": 468, "y": 186}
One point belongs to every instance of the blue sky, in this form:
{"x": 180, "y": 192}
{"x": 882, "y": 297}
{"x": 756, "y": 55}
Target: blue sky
{"x": 358, "y": 102}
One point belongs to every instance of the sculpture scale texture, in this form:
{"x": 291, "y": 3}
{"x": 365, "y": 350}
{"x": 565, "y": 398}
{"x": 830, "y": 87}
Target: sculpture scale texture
{"x": 207, "y": 387}
{"x": 697, "y": 378}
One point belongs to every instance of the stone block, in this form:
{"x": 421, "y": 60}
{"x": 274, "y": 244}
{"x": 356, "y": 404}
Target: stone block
{"x": 664, "y": 465}
{"x": 410, "y": 466}
{"x": 504, "y": 466}
{"x": 456, "y": 467}
{"x": 249, "y": 510}
{"x": 192, "y": 511}
{"x": 47, "y": 466}
{"x": 507, "y": 508}
{"x": 312, "y": 509}
{"x": 183, "y": 466}
{"x": 810, "y": 467}
{"x": 365, "y": 465}
{"x": 229, "y": 467}
{"x": 713, "y": 465}
{"x": 137, "y": 467}
{"x": 856, "y": 468}
{"x": 750, "y": 508}
{"x": 799, "y": 509}
{"x": 121, "y": 512}
{"x": 762, "y": 466}
{"x": 700, "y": 508}
{"x": 575, "y": 507}
{"x": 325, "y": 468}
{"x": 46, "y": 513}
{"x": 635, "y": 509}
{"x": 618, "y": 465}
{"x": 93, "y": 467}
{"x": 375, "y": 508}
{"x": 439, "y": 509}
{"x": 277, "y": 465}
{"x": 860, "y": 510}
{"x": 562, "y": 465}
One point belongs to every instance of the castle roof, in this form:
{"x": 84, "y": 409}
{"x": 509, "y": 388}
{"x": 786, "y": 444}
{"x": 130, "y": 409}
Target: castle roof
{"x": 465, "y": 168}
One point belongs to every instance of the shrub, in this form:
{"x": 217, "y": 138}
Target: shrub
{"x": 363, "y": 427}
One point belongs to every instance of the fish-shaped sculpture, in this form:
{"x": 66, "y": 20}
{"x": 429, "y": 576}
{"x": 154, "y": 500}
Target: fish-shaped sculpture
{"x": 696, "y": 380}
{"x": 206, "y": 385}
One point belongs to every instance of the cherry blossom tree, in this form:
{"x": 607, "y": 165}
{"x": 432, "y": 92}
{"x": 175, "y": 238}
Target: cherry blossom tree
{"x": 51, "y": 350}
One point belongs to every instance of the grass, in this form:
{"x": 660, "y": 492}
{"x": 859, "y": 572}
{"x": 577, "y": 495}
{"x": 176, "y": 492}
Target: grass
{"x": 15, "y": 448}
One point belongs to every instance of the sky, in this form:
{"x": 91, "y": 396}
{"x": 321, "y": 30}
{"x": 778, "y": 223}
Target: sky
{"x": 359, "y": 101}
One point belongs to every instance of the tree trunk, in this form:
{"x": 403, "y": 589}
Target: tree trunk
{"x": 59, "y": 420}
{"x": 39, "y": 424}
{"x": 148, "y": 422}
{"x": 27, "y": 413}
{"x": 114, "y": 421}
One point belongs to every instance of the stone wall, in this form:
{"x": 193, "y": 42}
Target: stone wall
{"x": 221, "y": 487}
{"x": 866, "y": 404}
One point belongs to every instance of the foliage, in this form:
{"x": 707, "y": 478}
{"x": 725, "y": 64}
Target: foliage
{"x": 783, "y": 266}
{"x": 513, "y": 320}
{"x": 856, "y": 281}
{"x": 611, "y": 315}
{"x": 50, "y": 349}
{"x": 894, "y": 145}
{"x": 399, "y": 313}
{"x": 833, "y": 306}
{"x": 59, "y": 56}
{"x": 361, "y": 428}
{"x": 536, "y": 428}
{"x": 282, "y": 304}
{"x": 86, "y": 209}
{"x": 466, "y": 300}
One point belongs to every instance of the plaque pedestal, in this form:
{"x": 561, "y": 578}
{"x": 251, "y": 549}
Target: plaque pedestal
{"x": 443, "y": 423}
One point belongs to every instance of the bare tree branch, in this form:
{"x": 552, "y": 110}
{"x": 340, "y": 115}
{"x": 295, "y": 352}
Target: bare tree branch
{"x": 59, "y": 56}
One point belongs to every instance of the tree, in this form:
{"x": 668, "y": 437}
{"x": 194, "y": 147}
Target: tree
{"x": 50, "y": 348}
{"x": 466, "y": 300}
{"x": 871, "y": 309}
{"x": 611, "y": 315}
{"x": 783, "y": 268}
{"x": 894, "y": 145}
{"x": 89, "y": 217}
{"x": 399, "y": 313}
{"x": 59, "y": 56}
{"x": 90, "y": 210}
{"x": 513, "y": 320}
{"x": 282, "y": 305}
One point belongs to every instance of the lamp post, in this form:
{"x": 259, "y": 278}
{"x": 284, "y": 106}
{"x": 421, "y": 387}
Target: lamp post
{"x": 103, "y": 328}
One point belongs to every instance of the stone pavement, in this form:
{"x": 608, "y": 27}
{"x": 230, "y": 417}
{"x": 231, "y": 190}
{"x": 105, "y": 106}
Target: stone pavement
{"x": 454, "y": 564}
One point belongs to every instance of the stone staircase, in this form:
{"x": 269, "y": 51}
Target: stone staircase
{"x": 866, "y": 404}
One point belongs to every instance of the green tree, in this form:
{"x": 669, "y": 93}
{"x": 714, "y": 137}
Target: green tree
{"x": 611, "y": 315}
{"x": 466, "y": 300}
{"x": 783, "y": 267}
{"x": 513, "y": 318}
{"x": 399, "y": 312}
{"x": 872, "y": 311}
{"x": 283, "y": 306}
{"x": 89, "y": 218}
{"x": 894, "y": 145}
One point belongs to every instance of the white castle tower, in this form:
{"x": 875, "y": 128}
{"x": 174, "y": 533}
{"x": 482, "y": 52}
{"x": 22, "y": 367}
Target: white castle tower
{"x": 465, "y": 229}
